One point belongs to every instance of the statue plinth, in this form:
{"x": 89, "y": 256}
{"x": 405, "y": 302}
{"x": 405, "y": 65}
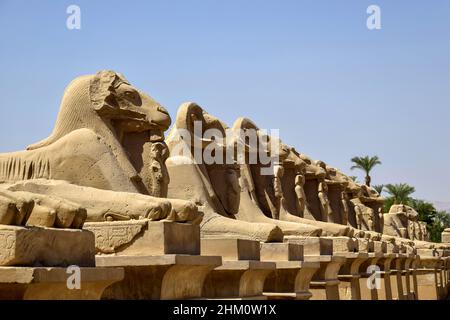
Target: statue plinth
{"x": 242, "y": 275}
{"x": 292, "y": 276}
{"x": 446, "y": 236}
{"x": 34, "y": 261}
{"x": 145, "y": 237}
{"x": 161, "y": 258}
{"x": 36, "y": 246}
{"x": 50, "y": 283}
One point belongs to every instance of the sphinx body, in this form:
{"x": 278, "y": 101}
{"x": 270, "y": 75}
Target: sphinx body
{"x": 282, "y": 203}
{"x": 103, "y": 161}
{"x": 225, "y": 190}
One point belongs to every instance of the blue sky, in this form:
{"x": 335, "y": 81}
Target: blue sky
{"x": 311, "y": 68}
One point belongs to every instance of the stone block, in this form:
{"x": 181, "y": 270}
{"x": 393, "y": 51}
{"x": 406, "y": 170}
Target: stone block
{"x": 313, "y": 245}
{"x": 281, "y": 252}
{"x": 145, "y": 237}
{"x": 342, "y": 244}
{"x": 231, "y": 249}
{"x": 379, "y": 247}
{"x": 162, "y": 277}
{"x": 446, "y": 236}
{"x": 49, "y": 247}
{"x": 50, "y": 283}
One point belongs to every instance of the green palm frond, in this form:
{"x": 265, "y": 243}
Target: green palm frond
{"x": 379, "y": 188}
{"x": 365, "y": 163}
{"x": 400, "y": 192}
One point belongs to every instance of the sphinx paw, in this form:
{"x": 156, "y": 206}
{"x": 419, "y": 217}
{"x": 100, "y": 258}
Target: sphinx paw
{"x": 184, "y": 211}
{"x": 159, "y": 209}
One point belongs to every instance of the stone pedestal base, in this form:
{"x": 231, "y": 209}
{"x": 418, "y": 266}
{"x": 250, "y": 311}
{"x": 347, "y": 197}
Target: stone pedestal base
{"x": 429, "y": 279}
{"x": 325, "y": 283}
{"x": 384, "y": 263}
{"x": 399, "y": 268}
{"x": 446, "y": 236}
{"x": 27, "y": 283}
{"x": 408, "y": 278}
{"x": 241, "y": 275}
{"x": 145, "y": 237}
{"x": 368, "y": 281}
{"x": 291, "y": 280}
{"x": 324, "y": 245}
{"x": 292, "y": 276}
{"x": 349, "y": 287}
{"x": 349, "y": 274}
{"x": 35, "y": 246}
{"x": 237, "y": 280}
{"x": 160, "y": 258}
{"x": 159, "y": 277}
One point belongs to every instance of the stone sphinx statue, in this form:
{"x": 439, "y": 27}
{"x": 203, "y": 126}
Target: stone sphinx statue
{"x": 277, "y": 194}
{"x": 213, "y": 185}
{"x": 396, "y": 222}
{"x": 104, "y": 161}
{"x": 321, "y": 183}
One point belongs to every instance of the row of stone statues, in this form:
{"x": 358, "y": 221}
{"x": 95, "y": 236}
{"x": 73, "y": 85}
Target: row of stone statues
{"x": 108, "y": 171}
{"x": 110, "y": 136}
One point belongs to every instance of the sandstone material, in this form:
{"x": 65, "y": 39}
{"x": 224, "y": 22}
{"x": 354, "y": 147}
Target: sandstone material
{"x": 241, "y": 275}
{"x": 365, "y": 245}
{"x": 162, "y": 277}
{"x": 349, "y": 274}
{"x": 342, "y": 244}
{"x": 36, "y": 246}
{"x": 379, "y": 246}
{"x": 429, "y": 278}
{"x": 107, "y": 146}
{"x": 313, "y": 245}
{"x": 290, "y": 280}
{"x": 281, "y": 252}
{"x": 238, "y": 279}
{"x": 292, "y": 276}
{"x": 50, "y": 283}
{"x": 325, "y": 283}
{"x": 231, "y": 249}
{"x": 144, "y": 237}
{"x": 446, "y": 236}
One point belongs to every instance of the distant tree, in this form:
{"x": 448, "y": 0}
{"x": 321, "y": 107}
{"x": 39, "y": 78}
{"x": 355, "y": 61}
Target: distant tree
{"x": 379, "y": 188}
{"x": 440, "y": 221}
{"x": 366, "y": 164}
{"x": 388, "y": 202}
{"x": 400, "y": 193}
{"x": 426, "y": 210}
{"x": 354, "y": 178}
{"x": 443, "y": 219}
{"x": 436, "y": 221}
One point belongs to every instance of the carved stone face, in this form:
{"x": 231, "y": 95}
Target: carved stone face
{"x": 128, "y": 109}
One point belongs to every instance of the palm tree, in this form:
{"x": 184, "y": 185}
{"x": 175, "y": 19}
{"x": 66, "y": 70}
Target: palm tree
{"x": 443, "y": 219}
{"x": 379, "y": 188}
{"x": 400, "y": 193}
{"x": 426, "y": 210}
{"x": 366, "y": 164}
